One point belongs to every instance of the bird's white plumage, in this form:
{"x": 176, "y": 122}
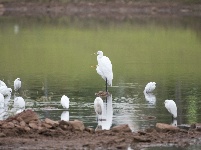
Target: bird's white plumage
{"x": 17, "y": 84}
{"x": 98, "y": 106}
{"x": 104, "y": 67}
{"x": 5, "y": 90}
{"x": 171, "y": 106}
{"x": 65, "y": 101}
{"x": 1, "y": 101}
{"x": 150, "y": 87}
{"x": 2, "y": 83}
{"x": 19, "y": 103}
{"x": 7, "y": 99}
{"x": 99, "y": 72}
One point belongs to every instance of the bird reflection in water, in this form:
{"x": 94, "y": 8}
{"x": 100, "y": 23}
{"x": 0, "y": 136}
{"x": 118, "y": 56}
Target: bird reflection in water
{"x": 150, "y": 97}
{"x": 65, "y": 116}
{"x": 105, "y": 122}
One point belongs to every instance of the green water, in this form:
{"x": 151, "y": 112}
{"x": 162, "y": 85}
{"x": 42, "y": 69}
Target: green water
{"x": 54, "y": 57}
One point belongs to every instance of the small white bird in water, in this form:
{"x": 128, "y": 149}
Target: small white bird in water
{"x": 2, "y": 83}
{"x": 19, "y": 103}
{"x": 17, "y": 84}
{"x": 171, "y": 106}
{"x": 1, "y": 101}
{"x": 104, "y": 68}
{"x": 150, "y": 87}
{"x": 65, "y": 101}
{"x": 5, "y": 90}
{"x": 98, "y": 106}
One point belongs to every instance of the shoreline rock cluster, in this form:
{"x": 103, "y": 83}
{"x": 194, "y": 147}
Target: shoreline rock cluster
{"x": 27, "y": 124}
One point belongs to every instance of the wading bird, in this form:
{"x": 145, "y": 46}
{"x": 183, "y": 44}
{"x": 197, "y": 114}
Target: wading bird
{"x": 17, "y": 84}
{"x": 65, "y": 101}
{"x": 150, "y": 87}
{"x": 5, "y": 90}
{"x": 171, "y": 106}
{"x": 1, "y": 101}
{"x": 104, "y": 68}
{"x": 98, "y": 106}
{"x": 19, "y": 103}
{"x": 2, "y": 83}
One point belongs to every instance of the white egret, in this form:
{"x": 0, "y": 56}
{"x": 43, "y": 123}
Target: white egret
{"x": 98, "y": 105}
{"x": 171, "y": 106}
{"x": 1, "y": 101}
{"x": 6, "y": 101}
{"x": 5, "y": 90}
{"x": 104, "y": 68}
{"x": 150, "y": 87}
{"x": 65, "y": 101}
{"x": 99, "y": 72}
{"x": 65, "y": 116}
{"x": 19, "y": 103}
{"x": 17, "y": 84}
{"x": 2, "y": 83}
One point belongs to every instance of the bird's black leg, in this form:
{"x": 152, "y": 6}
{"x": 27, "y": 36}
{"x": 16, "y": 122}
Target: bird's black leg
{"x": 106, "y": 84}
{"x": 172, "y": 118}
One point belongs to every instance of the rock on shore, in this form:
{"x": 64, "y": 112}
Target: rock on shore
{"x": 27, "y": 125}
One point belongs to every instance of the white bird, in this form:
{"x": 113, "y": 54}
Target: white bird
{"x": 17, "y": 84}
{"x": 150, "y": 87}
{"x": 5, "y": 90}
{"x": 19, "y": 103}
{"x": 99, "y": 72}
{"x": 65, "y": 116}
{"x": 171, "y": 106}
{"x": 65, "y": 101}
{"x": 98, "y": 106}
{"x": 1, "y": 101}
{"x": 104, "y": 68}
{"x": 2, "y": 83}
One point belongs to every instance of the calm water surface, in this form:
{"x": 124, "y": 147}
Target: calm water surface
{"x": 53, "y": 57}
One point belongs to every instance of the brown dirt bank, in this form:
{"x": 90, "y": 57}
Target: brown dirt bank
{"x": 99, "y": 9}
{"x": 26, "y": 131}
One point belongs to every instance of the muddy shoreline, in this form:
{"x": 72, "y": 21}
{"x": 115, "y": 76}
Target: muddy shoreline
{"x": 27, "y": 131}
{"x": 99, "y": 9}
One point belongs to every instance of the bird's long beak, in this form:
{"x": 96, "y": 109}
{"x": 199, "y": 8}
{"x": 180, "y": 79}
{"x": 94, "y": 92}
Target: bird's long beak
{"x": 93, "y": 66}
{"x": 94, "y": 54}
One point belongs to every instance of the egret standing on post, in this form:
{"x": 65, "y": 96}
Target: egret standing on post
{"x": 104, "y": 68}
